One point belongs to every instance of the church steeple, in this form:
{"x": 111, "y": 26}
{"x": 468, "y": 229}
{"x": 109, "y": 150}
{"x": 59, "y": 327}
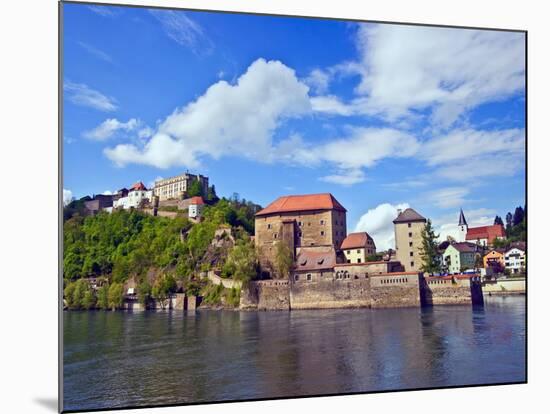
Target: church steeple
{"x": 462, "y": 219}
{"x": 462, "y": 227}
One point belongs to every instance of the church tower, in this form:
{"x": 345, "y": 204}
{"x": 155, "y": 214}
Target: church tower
{"x": 462, "y": 227}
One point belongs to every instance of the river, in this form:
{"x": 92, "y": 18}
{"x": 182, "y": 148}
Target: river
{"x": 117, "y": 359}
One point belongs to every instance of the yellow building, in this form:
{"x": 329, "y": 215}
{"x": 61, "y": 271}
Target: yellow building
{"x": 178, "y": 186}
{"x": 357, "y": 247}
{"x": 408, "y": 239}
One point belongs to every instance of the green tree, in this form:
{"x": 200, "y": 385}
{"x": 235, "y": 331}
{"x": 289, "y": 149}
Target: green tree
{"x": 144, "y": 292}
{"x": 429, "y": 250}
{"x": 498, "y": 220}
{"x": 195, "y": 189}
{"x": 89, "y": 300}
{"x": 242, "y": 261}
{"x": 283, "y": 260}
{"x": 103, "y": 297}
{"x": 68, "y": 294}
{"x": 164, "y": 286}
{"x": 116, "y": 295}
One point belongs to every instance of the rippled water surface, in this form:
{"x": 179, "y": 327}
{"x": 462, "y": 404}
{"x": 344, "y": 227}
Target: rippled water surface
{"x": 116, "y": 359}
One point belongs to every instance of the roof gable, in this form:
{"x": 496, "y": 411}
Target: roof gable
{"x": 409, "y": 215}
{"x": 355, "y": 240}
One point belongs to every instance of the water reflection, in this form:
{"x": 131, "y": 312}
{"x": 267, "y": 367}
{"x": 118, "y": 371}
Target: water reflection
{"x": 119, "y": 359}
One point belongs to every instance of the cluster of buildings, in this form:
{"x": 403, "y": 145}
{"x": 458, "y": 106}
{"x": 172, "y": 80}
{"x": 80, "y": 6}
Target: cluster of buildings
{"x": 474, "y": 249}
{"x": 169, "y": 192}
{"x": 313, "y": 226}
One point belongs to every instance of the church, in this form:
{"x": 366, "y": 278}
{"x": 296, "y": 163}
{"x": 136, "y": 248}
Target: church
{"x": 483, "y": 235}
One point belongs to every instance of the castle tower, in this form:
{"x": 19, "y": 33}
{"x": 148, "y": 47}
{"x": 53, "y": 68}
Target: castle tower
{"x": 408, "y": 239}
{"x": 462, "y": 227}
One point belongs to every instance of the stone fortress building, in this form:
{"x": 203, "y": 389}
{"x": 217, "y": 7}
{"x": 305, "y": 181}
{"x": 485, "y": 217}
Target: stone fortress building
{"x": 325, "y": 275}
{"x": 303, "y": 222}
{"x": 177, "y": 187}
{"x": 408, "y": 239}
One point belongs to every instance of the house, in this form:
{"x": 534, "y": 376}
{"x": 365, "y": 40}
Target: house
{"x": 310, "y": 221}
{"x": 484, "y": 235}
{"x": 357, "y": 247}
{"x": 460, "y": 256}
{"x": 178, "y": 186}
{"x": 514, "y": 260}
{"x": 494, "y": 259}
{"x": 408, "y": 239}
{"x": 137, "y": 194}
{"x": 196, "y": 206}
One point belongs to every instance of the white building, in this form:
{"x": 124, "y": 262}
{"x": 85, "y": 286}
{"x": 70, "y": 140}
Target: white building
{"x": 514, "y": 260}
{"x": 177, "y": 187}
{"x": 136, "y": 195}
{"x": 196, "y": 207}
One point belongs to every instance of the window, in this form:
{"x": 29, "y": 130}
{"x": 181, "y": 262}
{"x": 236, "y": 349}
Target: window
{"x": 409, "y": 225}
{"x": 349, "y": 260}
{"x": 300, "y": 223}
{"x": 412, "y": 264}
{"x": 274, "y": 235}
{"x": 299, "y": 234}
{"x": 296, "y": 277}
{"x": 358, "y": 251}
{"x": 269, "y": 226}
{"x": 322, "y": 233}
{"x": 410, "y": 244}
{"x": 349, "y": 251}
{"x": 322, "y": 222}
{"x": 410, "y": 234}
{"x": 308, "y": 276}
{"x": 358, "y": 260}
{"x": 411, "y": 254}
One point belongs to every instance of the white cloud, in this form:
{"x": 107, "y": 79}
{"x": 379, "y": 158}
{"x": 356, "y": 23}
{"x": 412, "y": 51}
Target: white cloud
{"x": 145, "y": 132}
{"x": 67, "y": 196}
{"x": 330, "y": 104}
{"x": 404, "y": 68}
{"x": 96, "y": 52}
{"x": 183, "y": 30}
{"x": 378, "y": 222}
{"x": 318, "y": 80}
{"x": 448, "y": 197}
{"x": 107, "y": 192}
{"x": 465, "y": 154}
{"x": 226, "y": 120}
{"x": 109, "y": 127}
{"x": 82, "y": 94}
{"x": 345, "y": 177}
{"x": 104, "y": 11}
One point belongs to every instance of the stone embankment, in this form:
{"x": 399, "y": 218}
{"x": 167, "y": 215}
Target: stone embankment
{"x": 390, "y": 290}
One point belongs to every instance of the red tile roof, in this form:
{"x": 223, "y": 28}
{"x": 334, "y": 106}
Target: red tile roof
{"x": 138, "y": 186}
{"x": 307, "y": 202}
{"x": 355, "y": 240}
{"x": 486, "y": 232}
{"x": 196, "y": 200}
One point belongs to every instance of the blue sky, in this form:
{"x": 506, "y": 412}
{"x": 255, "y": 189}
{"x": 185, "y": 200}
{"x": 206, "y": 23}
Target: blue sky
{"x": 382, "y": 116}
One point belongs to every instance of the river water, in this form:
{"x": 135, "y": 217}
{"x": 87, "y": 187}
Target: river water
{"x": 117, "y": 359}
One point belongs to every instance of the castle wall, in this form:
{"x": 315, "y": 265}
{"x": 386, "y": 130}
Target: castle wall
{"x": 273, "y": 295}
{"x": 451, "y": 290}
{"x": 330, "y": 293}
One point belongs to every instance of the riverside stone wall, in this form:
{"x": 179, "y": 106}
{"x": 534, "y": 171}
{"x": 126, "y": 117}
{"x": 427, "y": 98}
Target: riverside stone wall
{"x": 331, "y": 293}
{"x": 390, "y": 290}
{"x": 451, "y": 290}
